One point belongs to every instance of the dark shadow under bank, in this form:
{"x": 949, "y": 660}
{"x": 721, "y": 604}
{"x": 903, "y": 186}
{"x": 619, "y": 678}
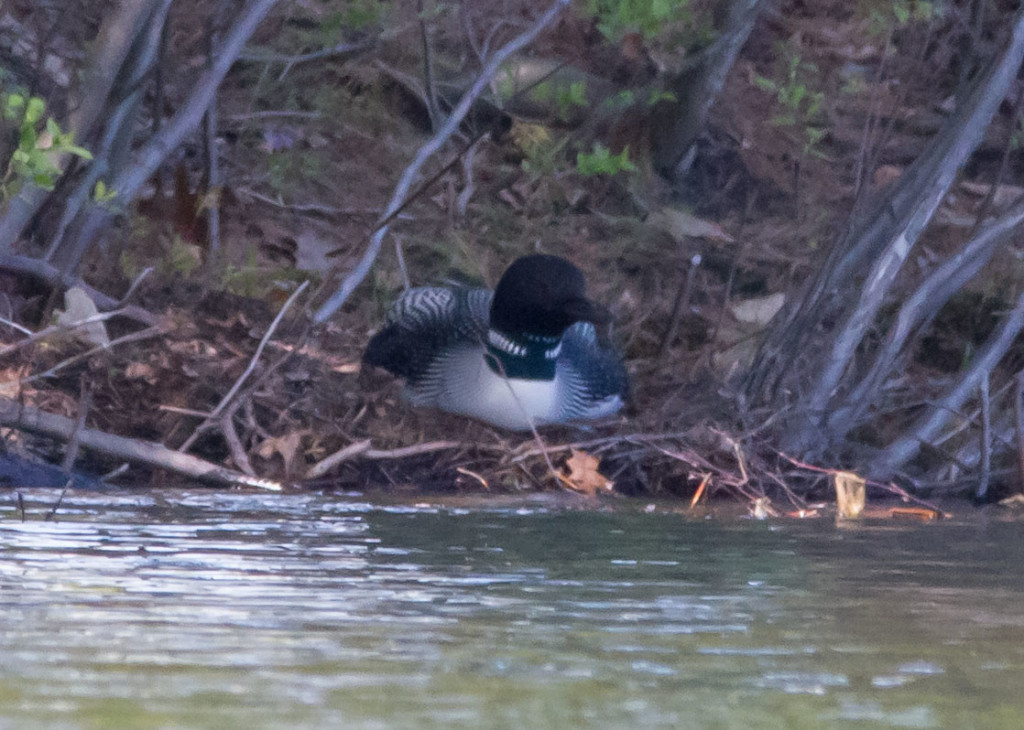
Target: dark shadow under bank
{"x": 20, "y": 472}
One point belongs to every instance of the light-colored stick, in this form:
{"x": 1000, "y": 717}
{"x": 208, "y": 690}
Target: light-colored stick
{"x": 17, "y": 415}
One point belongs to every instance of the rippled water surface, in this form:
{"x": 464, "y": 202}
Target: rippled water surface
{"x": 199, "y": 609}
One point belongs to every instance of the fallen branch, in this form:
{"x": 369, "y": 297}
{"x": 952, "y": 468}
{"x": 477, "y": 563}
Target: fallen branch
{"x": 327, "y": 210}
{"x": 888, "y": 486}
{"x": 58, "y": 329}
{"x": 362, "y": 448}
{"x": 20, "y": 416}
{"x": 351, "y": 451}
{"x": 415, "y": 450}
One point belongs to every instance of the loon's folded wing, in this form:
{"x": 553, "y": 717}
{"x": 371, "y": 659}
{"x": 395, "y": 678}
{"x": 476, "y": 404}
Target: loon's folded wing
{"x": 424, "y": 322}
{"x": 599, "y": 369}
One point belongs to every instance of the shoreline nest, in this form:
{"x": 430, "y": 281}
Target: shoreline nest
{"x": 228, "y": 394}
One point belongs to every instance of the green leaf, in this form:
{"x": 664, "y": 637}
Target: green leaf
{"x": 35, "y": 110}
{"x": 578, "y": 93}
{"x": 102, "y": 194}
{"x": 902, "y": 13}
{"x": 42, "y": 180}
{"x": 659, "y": 96}
{"x": 13, "y": 104}
{"x": 765, "y": 84}
{"x": 602, "y": 162}
{"x": 27, "y": 138}
{"x": 78, "y": 151}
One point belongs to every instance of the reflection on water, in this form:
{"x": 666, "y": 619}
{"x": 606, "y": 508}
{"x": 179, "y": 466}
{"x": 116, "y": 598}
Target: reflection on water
{"x": 198, "y": 609}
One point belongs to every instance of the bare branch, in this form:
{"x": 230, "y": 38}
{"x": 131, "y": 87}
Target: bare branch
{"x": 152, "y": 154}
{"x": 450, "y": 126}
{"x": 17, "y": 415}
{"x": 905, "y": 448}
{"x": 341, "y": 49}
{"x": 53, "y": 276}
{"x": 918, "y": 310}
{"x": 986, "y": 440}
{"x": 961, "y": 135}
{"x": 110, "y": 49}
{"x": 322, "y": 467}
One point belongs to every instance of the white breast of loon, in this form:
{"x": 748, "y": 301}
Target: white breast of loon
{"x": 461, "y": 381}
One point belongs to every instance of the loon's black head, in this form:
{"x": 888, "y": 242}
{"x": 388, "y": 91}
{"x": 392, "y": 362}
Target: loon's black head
{"x": 541, "y": 296}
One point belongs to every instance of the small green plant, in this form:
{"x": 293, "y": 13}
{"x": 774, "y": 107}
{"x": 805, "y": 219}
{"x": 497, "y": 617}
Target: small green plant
{"x": 251, "y": 279}
{"x": 102, "y": 194}
{"x": 556, "y": 93}
{"x": 602, "y": 162}
{"x": 567, "y": 97}
{"x": 798, "y": 103}
{"x": 628, "y": 98}
{"x": 246, "y": 279}
{"x": 886, "y": 16}
{"x": 182, "y": 258}
{"x": 288, "y": 168}
{"x": 542, "y": 153}
{"x": 37, "y": 157}
{"x": 357, "y": 15}
{"x": 615, "y": 18}
{"x": 910, "y": 10}
{"x": 1017, "y": 136}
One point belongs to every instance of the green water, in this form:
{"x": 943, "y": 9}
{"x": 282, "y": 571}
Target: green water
{"x": 207, "y": 610}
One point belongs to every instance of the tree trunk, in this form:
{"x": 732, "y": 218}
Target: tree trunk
{"x": 814, "y": 360}
{"x": 676, "y": 123}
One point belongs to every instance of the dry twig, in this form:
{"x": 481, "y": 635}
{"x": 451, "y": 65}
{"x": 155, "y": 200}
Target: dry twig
{"x": 18, "y": 415}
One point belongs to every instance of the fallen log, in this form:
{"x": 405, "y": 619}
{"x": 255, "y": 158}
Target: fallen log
{"x": 24, "y": 417}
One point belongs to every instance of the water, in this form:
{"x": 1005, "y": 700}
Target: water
{"x": 200, "y": 609}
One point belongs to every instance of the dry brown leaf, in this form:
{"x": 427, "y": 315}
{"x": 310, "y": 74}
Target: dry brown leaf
{"x": 1004, "y": 194}
{"x": 850, "y": 494}
{"x": 287, "y": 446}
{"x": 804, "y": 514}
{"x": 757, "y": 313}
{"x": 78, "y": 308}
{"x": 739, "y": 346}
{"x": 1014, "y": 500}
{"x": 886, "y": 174}
{"x": 10, "y": 382}
{"x": 581, "y": 474}
{"x": 916, "y": 513}
{"x": 141, "y": 371}
{"x": 761, "y": 509}
{"x": 679, "y": 224}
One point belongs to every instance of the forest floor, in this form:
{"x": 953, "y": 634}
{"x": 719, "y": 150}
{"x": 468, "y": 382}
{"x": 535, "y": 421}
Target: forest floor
{"x": 307, "y": 176}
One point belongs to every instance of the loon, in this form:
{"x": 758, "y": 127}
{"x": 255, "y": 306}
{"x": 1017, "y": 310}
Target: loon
{"x": 525, "y": 355}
